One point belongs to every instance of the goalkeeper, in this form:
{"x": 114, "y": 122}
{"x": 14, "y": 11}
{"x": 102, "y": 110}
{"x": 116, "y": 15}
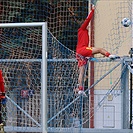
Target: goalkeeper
{"x": 83, "y": 51}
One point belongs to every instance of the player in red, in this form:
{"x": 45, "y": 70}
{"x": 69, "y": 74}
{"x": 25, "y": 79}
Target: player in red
{"x": 2, "y": 99}
{"x": 83, "y": 51}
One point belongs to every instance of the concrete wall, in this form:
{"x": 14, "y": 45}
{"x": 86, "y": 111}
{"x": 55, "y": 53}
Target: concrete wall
{"x": 108, "y": 29}
{"x": 111, "y": 35}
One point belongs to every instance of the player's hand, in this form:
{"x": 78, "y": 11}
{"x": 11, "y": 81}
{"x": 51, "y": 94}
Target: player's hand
{"x": 93, "y": 7}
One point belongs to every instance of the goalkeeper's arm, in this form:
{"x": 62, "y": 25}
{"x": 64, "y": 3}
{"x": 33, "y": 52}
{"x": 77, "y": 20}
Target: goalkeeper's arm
{"x": 88, "y": 19}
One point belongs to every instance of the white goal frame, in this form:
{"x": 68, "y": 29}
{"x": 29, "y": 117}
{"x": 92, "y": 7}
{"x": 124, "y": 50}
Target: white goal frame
{"x": 43, "y": 125}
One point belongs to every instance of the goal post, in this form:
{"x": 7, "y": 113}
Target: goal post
{"x": 41, "y": 58}
{"x": 44, "y": 78}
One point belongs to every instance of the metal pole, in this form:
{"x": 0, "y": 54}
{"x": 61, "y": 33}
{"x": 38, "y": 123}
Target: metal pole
{"x": 21, "y": 24}
{"x": 81, "y": 112}
{"x": 44, "y": 80}
{"x": 131, "y": 53}
{"x": 92, "y": 69}
{"x": 125, "y": 97}
{"x": 131, "y": 56}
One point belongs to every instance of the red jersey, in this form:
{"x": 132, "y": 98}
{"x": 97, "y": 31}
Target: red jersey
{"x": 83, "y": 37}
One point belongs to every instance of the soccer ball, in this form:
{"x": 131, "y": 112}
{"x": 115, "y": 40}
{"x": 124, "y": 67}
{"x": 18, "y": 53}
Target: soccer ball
{"x": 126, "y": 22}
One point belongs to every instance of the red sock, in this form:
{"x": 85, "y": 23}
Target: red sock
{"x": 81, "y": 88}
{"x": 107, "y": 54}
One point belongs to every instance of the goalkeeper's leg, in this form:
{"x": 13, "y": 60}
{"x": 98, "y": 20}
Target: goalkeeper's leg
{"x": 80, "y": 87}
{"x": 103, "y": 52}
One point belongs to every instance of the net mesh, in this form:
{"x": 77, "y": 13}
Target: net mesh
{"x": 65, "y": 109}
{"x": 20, "y": 43}
{"x": 56, "y": 13}
{"x": 23, "y": 93}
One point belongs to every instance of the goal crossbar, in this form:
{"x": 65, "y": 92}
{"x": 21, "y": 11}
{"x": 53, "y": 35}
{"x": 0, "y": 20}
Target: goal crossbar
{"x": 22, "y": 24}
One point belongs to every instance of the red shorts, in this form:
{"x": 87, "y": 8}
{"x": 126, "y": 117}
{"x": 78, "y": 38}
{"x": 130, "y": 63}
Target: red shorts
{"x": 81, "y": 54}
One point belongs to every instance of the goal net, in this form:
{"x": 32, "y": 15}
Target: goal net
{"x": 23, "y": 60}
{"x": 22, "y": 78}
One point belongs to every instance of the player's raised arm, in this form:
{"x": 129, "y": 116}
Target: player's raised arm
{"x": 88, "y": 19}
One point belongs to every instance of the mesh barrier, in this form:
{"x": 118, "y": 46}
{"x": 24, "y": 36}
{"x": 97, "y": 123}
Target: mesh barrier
{"x": 21, "y": 66}
{"x": 65, "y": 108}
{"x": 56, "y": 13}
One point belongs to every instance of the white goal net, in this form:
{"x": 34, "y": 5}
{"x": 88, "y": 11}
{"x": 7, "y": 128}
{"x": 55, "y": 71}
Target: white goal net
{"x": 23, "y": 62}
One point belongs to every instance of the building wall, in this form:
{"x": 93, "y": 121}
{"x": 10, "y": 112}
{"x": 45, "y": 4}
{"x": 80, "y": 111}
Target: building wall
{"x": 111, "y": 35}
{"x": 108, "y": 18}
{"x": 109, "y": 114}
